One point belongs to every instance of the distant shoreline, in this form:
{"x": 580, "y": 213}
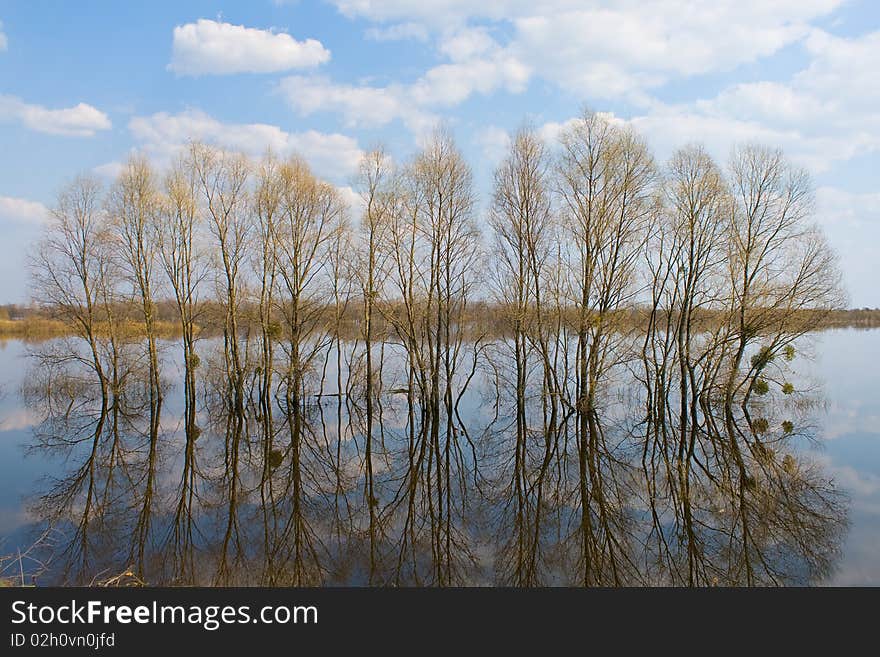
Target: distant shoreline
{"x": 37, "y": 324}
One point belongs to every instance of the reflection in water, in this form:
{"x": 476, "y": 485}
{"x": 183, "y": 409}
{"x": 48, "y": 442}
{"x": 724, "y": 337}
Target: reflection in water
{"x": 498, "y": 485}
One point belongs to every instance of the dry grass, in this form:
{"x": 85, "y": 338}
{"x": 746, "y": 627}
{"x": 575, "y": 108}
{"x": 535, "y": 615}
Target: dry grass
{"x": 483, "y": 318}
{"x": 34, "y": 329}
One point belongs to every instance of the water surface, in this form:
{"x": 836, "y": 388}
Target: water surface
{"x": 228, "y": 506}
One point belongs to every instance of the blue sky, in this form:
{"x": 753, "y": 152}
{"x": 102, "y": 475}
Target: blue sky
{"x": 84, "y": 83}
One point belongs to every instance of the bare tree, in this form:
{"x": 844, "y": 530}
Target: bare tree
{"x": 73, "y": 273}
{"x": 605, "y": 179}
{"x": 435, "y": 252}
{"x": 178, "y": 244}
{"x": 133, "y": 206}
{"x": 375, "y": 183}
{"x": 312, "y": 213}
{"x": 524, "y": 228}
{"x": 783, "y": 276}
{"x": 70, "y": 265}
{"x": 685, "y": 261}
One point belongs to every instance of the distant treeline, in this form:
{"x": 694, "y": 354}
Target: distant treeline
{"x": 32, "y": 322}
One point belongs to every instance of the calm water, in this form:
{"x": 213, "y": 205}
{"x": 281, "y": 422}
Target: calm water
{"x": 231, "y": 510}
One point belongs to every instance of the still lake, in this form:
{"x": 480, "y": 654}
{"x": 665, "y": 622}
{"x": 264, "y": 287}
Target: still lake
{"x": 843, "y": 445}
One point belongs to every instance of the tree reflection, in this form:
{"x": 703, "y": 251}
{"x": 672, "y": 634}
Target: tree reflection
{"x": 276, "y": 498}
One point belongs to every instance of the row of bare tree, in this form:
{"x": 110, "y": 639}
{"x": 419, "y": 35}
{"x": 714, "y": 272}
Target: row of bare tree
{"x": 581, "y": 235}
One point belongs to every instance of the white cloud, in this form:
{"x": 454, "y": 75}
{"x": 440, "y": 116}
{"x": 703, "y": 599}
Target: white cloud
{"x": 451, "y": 84}
{"x": 109, "y": 170}
{"x": 355, "y": 201}
{"x": 551, "y": 131}
{"x": 852, "y": 222}
{"x": 668, "y": 127}
{"x": 841, "y": 206}
{"x": 18, "y": 419}
{"x": 209, "y": 47}
{"x": 616, "y": 48}
{"x": 622, "y": 49}
{"x": 445, "y": 12}
{"x": 606, "y": 49}
{"x": 495, "y": 143}
{"x": 162, "y": 135}
{"x": 478, "y": 65}
{"x": 838, "y": 91}
{"x": 81, "y": 120}
{"x": 859, "y": 482}
{"x": 465, "y": 44}
{"x": 4, "y": 42}
{"x": 22, "y": 211}
{"x": 851, "y": 67}
{"x": 826, "y": 113}
{"x": 433, "y": 12}
{"x": 398, "y": 32}
{"x": 764, "y": 101}
{"x": 359, "y": 105}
